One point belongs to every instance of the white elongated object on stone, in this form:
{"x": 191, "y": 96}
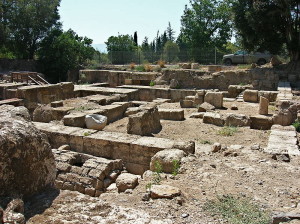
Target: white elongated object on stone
{"x": 95, "y": 121}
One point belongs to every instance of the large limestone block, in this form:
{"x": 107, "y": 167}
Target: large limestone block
{"x": 283, "y": 118}
{"x": 237, "y": 120}
{"x": 27, "y": 164}
{"x": 251, "y": 96}
{"x": 214, "y": 98}
{"x": 263, "y": 106}
{"x": 126, "y": 181}
{"x": 235, "y": 90}
{"x": 166, "y": 159}
{"x": 15, "y": 111}
{"x": 146, "y": 122}
{"x": 213, "y": 118}
{"x": 261, "y": 122}
{"x": 186, "y": 103}
{"x": 206, "y": 107}
{"x": 95, "y": 121}
{"x": 75, "y": 120}
{"x": 171, "y": 114}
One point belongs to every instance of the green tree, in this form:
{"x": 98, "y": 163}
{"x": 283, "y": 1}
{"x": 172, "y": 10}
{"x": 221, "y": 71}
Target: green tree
{"x": 121, "y": 49}
{"x": 62, "y": 51}
{"x": 206, "y": 24}
{"x": 27, "y": 23}
{"x": 171, "y": 51}
{"x": 269, "y": 25}
{"x": 170, "y": 33}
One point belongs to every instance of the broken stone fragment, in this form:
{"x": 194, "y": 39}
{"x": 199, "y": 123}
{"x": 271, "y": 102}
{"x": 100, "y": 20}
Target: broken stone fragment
{"x": 95, "y": 121}
{"x": 126, "y": 181}
{"x": 164, "y": 191}
{"x": 216, "y": 147}
{"x": 166, "y": 158}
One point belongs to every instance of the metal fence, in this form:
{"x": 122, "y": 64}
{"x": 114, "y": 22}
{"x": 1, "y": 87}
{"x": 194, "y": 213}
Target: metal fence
{"x": 202, "y": 56}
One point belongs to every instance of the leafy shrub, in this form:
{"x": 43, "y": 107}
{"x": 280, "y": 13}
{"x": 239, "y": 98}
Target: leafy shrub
{"x": 237, "y": 210}
{"x": 152, "y": 83}
{"x": 157, "y": 172}
{"x": 140, "y": 68}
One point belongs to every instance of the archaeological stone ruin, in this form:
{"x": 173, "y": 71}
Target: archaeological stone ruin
{"x": 116, "y": 129}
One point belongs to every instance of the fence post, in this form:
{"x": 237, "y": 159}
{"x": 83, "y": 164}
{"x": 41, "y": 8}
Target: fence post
{"x": 215, "y": 55}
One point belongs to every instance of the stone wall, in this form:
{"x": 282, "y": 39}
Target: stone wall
{"x": 135, "y": 151}
{"x": 260, "y": 78}
{"x": 34, "y": 95}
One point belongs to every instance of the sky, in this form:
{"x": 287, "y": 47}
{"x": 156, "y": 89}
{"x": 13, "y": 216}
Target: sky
{"x": 100, "y": 19}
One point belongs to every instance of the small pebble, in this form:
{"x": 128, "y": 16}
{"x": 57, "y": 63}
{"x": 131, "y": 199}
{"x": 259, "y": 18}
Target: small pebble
{"x": 185, "y": 215}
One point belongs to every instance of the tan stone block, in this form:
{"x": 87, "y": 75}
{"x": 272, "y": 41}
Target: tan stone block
{"x": 263, "y": 106}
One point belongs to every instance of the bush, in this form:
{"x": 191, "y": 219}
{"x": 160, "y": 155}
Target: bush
{"x": 237, "y": 210}
{"x": 152, "y": 83}
{"x": 297, "y": 125}
{"x": 140, "y": 68}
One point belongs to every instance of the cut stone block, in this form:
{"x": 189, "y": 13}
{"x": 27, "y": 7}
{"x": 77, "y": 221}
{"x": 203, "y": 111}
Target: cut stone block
{"x": 261, "y": 122}
{"x": 75, "y": 120}
{"x": 146, "y": 122}
{"x": 214, "y": 98}
{"x": 126, "y": 181}
{"x": 237, "y": 120}
{"x": 213, "y": 118}
{"x": 164, "y": 191}
{"x": 171, "y": 114}
{"x": 263, "y": 106}
{"x": 206, "y": 107}
{"x": 186, "y": 103}
{"x": 251, "y": 96}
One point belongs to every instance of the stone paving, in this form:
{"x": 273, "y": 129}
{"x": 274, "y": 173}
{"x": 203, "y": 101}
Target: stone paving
{"x": 283, "y": 140}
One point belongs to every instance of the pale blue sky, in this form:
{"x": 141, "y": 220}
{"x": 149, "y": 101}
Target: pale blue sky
{"x": 100, "y": 19}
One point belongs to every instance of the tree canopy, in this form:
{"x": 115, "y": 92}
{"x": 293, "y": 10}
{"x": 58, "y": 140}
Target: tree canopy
{"x": 269, "y": 25}
{"x": 206, "y": 24}
{"x": 25, "y": 23}
{"x": 62, "y": 51}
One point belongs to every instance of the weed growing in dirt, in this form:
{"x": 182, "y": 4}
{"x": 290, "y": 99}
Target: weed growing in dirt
{"x": 152, "y": 83}
{"x": 206, "y": 142}
{"x": 228, "y": 131}
{"x": 297, "y": 125}
{"x": 81, "y": 108}
{"x": 176, "y": 166}
{"x": 157, "y": 172}
{"x": 272, "y": 108}
{"x": 87, "y": 133}
{"x": 237, "y": 210}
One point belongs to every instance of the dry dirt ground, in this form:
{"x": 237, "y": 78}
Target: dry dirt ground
{"x": 274, "y": 185}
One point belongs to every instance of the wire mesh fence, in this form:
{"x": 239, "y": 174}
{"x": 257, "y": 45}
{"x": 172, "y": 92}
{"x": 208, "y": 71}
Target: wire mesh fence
{"x": 202, "y": 56}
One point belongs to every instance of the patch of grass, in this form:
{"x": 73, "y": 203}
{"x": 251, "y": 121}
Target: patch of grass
{"x": 228, "y": 131}
{"x": 81, "y": 108}
{"x": 152, "y": 83}
{"x": 237, "y": 210}
{"x": 140, "y": 68}
{"x": 272, "y": 108}
{"x": 87, "y": 133}
{"x": 205, "y": 142}
{"x": 297, "y": 125}
{"x": 244, "y": 66}
{"x": 242, "y": 84}
{"x": 176, "y": 166}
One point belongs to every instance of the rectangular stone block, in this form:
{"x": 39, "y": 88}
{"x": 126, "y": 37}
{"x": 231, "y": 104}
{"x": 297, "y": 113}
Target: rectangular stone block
{"x": 171, "y": 114}
{"x": 213, "y": 118}
{"x": 251, "y": 96}
{"x": 214, "y": 98}
{"x": 261, "y": 122}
